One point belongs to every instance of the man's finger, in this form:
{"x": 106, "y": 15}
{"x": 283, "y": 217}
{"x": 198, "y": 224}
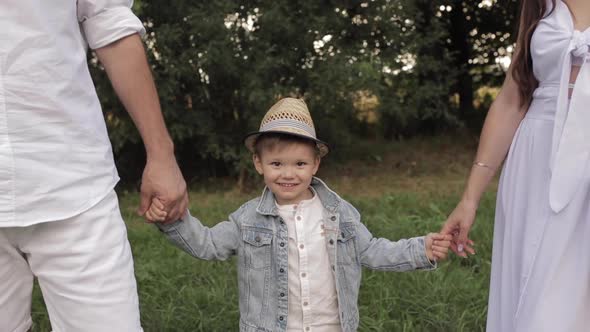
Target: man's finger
{"x": 178, "y": 210}
{"x": 174, "y": 214}
{"x": 144, "y": 202}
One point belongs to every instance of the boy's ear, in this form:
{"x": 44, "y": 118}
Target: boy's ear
{"x": 317, "y": 165}
{"x": 257, "y": 163}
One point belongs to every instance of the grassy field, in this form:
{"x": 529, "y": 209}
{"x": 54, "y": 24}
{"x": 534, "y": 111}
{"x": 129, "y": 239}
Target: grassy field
{"x": 402, "y": 190}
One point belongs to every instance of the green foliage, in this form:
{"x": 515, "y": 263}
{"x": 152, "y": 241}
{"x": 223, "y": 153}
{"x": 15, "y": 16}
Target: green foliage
{"x": 219, "y": 65}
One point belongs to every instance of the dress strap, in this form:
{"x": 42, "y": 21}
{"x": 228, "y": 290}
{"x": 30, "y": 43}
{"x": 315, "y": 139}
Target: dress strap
{"x": 570, "y": 150}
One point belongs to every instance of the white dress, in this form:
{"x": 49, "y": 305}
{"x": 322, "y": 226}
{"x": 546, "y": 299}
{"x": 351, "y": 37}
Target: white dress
{"x": 540, "y": 278}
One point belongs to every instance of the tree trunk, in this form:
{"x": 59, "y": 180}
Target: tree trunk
{"x": 460, "y": 39}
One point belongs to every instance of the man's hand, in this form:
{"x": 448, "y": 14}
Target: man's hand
{"x": 163, "y": 180}
{"x": 126, "y": 64}
{"x": 458, "y": 225}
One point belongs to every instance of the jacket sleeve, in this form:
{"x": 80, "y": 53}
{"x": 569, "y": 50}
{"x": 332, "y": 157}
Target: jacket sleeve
{"x": 106, "y": 21}
{"x": 215, "y": 243}
{"x": 383, "y": 254}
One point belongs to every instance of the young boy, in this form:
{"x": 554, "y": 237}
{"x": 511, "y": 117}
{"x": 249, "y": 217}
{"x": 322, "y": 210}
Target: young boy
{"x": 300, "y": 246}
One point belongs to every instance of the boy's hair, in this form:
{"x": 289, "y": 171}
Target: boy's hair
{"x": 269, "y": 141}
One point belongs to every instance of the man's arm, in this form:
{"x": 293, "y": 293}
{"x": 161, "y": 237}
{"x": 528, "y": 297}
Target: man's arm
{"x": 128, "y": 70}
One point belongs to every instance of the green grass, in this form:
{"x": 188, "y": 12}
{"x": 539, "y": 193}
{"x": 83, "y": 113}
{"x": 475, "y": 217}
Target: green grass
{"x": 402, "y": 190}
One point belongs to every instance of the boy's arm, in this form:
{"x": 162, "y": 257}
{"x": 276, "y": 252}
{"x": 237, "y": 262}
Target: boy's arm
{"x": 383, "y": 254}
{"x": 216, "y": 243}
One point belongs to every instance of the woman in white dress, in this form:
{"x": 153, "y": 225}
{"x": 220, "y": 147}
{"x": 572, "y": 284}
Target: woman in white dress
{"x": 541, "y": 120}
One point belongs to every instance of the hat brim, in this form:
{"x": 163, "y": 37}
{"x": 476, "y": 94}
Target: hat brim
{"x": 250, "y": 140}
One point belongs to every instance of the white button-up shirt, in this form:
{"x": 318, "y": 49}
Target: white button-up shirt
{"x": 55, "y": 155}
{"x": 313, "y": 302}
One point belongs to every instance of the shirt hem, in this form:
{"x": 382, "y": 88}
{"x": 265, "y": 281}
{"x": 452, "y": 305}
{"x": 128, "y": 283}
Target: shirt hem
{"x": 85, "y": 207}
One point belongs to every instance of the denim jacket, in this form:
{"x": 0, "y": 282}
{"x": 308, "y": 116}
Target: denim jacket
{"x": 258, "y": 236}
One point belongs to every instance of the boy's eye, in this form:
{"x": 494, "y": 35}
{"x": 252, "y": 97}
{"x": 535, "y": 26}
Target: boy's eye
{"x": 301, "y": 163}
{"x": 275, "y": 163}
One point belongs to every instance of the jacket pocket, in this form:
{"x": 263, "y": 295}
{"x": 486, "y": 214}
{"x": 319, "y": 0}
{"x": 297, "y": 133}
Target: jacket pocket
{"x": 257, "y": 247}
{"x": 346, "y": 250}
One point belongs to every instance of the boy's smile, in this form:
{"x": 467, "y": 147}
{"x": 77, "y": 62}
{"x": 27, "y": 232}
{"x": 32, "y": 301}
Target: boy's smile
{"x": 288, "y": 169}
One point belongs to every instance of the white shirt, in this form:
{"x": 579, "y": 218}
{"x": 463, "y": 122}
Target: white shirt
{"x": 313, "y": 302}
{"x": 55, "y": 155}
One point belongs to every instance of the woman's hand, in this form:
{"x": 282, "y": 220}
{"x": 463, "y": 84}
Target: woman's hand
{"x": 458, "y": 225}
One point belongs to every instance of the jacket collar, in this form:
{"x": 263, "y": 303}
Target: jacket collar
{"x": 330, "y": 200}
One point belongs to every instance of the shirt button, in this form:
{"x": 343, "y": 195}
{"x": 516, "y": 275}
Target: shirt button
{"x": 301, "y": 246}
{"x": 282, "y": 244}
{"x": 303, "y": 274}
{"x": 333, "y": 218}
{"x": 298, "y": 218}
{"x": 282, "y": 270}
{"x": 305, "y": 304}
{"x": 307, "y": 328}
{"x": 331, "y": 241}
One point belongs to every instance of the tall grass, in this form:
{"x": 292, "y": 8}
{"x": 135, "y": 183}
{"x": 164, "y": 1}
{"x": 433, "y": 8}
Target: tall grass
{"x": 401, "y": 191}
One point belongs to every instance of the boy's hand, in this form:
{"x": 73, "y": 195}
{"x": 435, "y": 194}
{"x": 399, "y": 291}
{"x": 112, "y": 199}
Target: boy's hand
{"x": 156, "y": 212}
{"x": 437, "y": 246}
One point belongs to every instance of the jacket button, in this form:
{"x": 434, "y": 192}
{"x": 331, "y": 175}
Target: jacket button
{"x": 333, "y": 269}
{"x": 282, "y": 270}
{"x": 282, "y": 294}
{"x": 333, "y": 218}
{"x": 257, "y": 239}
{"x": 282, "y": 244}
{"x": 281, "y": 318}
{"x": 331, "y": 241}
{"x": 342, "y": 234}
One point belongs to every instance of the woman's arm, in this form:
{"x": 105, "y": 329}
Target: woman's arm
{"x": 499, "y": 128}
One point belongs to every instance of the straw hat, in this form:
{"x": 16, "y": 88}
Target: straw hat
{"x": 288, "y": 116}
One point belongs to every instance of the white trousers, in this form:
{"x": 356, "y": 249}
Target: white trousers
{"x": 85, "y": 271}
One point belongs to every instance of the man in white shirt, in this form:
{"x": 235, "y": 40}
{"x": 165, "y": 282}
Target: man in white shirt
{"x": 59, "y": 215}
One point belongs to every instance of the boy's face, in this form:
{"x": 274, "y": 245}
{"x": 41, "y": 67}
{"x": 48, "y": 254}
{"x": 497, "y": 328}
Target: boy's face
{"x": 288, "y": 169}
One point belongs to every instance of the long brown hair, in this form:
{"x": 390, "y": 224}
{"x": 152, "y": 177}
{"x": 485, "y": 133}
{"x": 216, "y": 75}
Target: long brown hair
{"x": 531, "y": 13}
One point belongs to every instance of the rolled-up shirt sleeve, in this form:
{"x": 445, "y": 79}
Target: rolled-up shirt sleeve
{"x": 106, "y": 21}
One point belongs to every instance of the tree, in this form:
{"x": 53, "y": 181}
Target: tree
{"x": 373, "y": 69}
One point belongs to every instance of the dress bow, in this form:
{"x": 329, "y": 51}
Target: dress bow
{"x": 570, "y": 151}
